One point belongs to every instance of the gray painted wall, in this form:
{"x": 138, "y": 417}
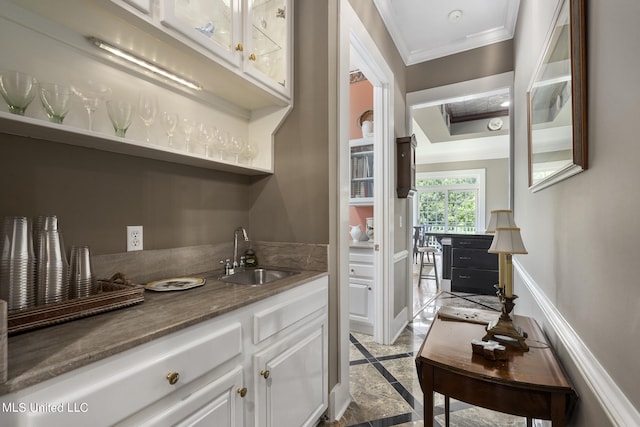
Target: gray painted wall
{"x": 582, "y": 233}
{"x": 96, "y": 194}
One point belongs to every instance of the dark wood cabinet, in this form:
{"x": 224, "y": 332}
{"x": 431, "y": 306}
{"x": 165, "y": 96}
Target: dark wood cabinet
{"x": 473, "y": 269}
{"x": 406, "y": 166}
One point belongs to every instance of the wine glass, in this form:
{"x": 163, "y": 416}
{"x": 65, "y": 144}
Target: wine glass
{"x": 236, "y": 145}
{"x": 205, "y": 135}
{"x": 249, "y": 152}
{"x": 169, "y": 122}
{"x": 188, "y": 126}
{"x": 55, "y": 100}
{"x": 220, "y": 141}
{"x": 91, "y": 93}
{"x": 121, "y": 114}
{"x": 18, "y": 90}
{"x": 147, "y": 111}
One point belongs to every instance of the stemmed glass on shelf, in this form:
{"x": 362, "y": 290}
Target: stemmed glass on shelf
{"x": 188, "y": 126}
{"x": 18, "y": 90}
{"x": 236, "y": 145}
{"x": 221, "y": 141}
{"x": 249, "y": 152}
{"x": 147, "y": 111}
{"x": 91, "y": 93}
{"x": 169, "y": 122}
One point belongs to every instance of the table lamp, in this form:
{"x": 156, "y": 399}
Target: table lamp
{"x": 502, "y": 218}
{"x": 507, "y": 241}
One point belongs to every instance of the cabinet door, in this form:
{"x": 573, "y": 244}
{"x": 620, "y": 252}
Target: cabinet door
{"x": 361, "y": 300}
{"x": 214, "y": 24}
{"x": 142, "y": 5}
{"x": 218, "y": 403}
{"x": 291, "y": 379}
{"x": 267, "y": 53}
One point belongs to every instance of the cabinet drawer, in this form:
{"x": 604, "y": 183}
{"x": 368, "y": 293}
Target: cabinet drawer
{"x": 136, "y": 378}
{"x": 277, "y": 318}
{"x": 363, "y": 256}
{"x": 474, "y": 258}
{"x": 474, "y": 281}
{"x": 361, "y": 270}
{"x": 472, "y": 242}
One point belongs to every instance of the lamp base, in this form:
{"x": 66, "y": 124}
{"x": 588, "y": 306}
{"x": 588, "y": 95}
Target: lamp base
{"x": 504, "y": 330}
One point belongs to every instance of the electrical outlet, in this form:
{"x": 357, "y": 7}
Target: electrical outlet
{"x": 134, "y": 238}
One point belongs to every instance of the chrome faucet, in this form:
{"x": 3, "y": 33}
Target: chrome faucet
{"x": 235, "y": 244}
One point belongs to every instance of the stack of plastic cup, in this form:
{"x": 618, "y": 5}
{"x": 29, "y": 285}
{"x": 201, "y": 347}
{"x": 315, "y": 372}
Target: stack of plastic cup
{"x": 17, "y": 263}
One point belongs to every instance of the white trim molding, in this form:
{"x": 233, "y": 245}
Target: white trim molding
{"x": 614, "y": 403}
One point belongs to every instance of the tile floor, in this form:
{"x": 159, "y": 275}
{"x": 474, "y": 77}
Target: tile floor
{"x": 384, "y": 384}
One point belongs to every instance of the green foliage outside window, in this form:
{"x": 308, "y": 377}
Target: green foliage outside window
{"x": 445, "y": 208}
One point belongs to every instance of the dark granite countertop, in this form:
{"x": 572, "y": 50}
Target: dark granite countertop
{"x": 42, "y": 354}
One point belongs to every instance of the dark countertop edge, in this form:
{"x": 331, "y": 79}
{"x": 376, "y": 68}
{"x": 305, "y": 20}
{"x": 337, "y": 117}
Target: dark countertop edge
{"x": 45, "y": 371}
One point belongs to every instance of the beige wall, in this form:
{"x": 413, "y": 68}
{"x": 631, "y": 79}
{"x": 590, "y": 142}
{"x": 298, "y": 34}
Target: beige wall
{"x": 582, "y": 233}
{"x": 487, "y": 61}
{"x": 293, "y": 204}
{"x": 96, "y": 194}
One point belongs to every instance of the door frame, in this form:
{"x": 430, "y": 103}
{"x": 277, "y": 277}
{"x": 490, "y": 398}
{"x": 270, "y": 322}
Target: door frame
{"x": 353, "y": 33}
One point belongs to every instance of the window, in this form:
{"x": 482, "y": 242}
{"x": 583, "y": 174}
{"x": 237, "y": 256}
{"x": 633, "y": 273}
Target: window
{"x": 451, "y": 202}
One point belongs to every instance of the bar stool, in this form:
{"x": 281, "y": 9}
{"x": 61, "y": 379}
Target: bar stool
{"x": 428, "y": 258}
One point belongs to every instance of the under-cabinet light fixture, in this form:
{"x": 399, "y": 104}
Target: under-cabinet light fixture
{"x": 143, "y": 63}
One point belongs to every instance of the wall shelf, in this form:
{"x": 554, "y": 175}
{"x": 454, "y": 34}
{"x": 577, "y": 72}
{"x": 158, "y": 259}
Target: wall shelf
{"x": 61, "y": 133}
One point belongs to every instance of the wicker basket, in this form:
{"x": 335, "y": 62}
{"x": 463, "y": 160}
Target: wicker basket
{"x": 114, "y": 293}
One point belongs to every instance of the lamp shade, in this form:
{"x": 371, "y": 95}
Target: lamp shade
{"x": 507, "y": 240}
{"x": 502, "y": 218}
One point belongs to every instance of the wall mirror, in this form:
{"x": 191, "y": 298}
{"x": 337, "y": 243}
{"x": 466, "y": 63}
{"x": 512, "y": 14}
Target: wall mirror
{"x": 557, "y": 101}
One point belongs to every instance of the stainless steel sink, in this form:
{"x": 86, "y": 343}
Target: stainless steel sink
{"x": 256, "y": 277}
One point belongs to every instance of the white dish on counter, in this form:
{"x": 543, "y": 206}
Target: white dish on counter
{"x": 175, "y": 284}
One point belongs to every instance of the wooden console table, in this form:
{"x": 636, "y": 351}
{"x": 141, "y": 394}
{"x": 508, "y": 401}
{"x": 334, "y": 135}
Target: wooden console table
{"x": 529, "y": 384}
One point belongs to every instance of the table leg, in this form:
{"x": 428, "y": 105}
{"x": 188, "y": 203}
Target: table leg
{"x": 427, "y": 391}
{"x": 446, "y": 411}
{"x": 529, "y": 422}
{"x": 558, "y": 415}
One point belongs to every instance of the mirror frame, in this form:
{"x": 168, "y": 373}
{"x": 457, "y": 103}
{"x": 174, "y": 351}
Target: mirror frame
{"x": 577, "y": 30}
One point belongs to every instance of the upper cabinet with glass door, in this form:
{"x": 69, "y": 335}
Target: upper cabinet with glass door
{"x": 267, "y": 34}
{"x": 214, "y": 24}
{"x": 253, "y": 35}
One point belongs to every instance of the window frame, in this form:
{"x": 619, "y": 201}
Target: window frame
{"x": 479, "y": 186}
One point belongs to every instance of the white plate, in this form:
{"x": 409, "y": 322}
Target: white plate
{"x": 175, "y": 284}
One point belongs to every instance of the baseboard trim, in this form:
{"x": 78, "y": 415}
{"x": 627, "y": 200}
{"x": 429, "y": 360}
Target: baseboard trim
{"x": 614, "y": 403}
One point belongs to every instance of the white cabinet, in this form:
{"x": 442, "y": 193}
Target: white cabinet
{"x": 268, "y": 42}
{"x": 361, "y": 169}
{"x": 218, "y": 403}
{"x": 361, "y": 289}
{"x": 290, "y": 364}
{"x": 252, "y": 35}
{"x": 291, "y": 388}
{"x": 214, "y": 24}
{"x": 210, "y": 374}
{"x": 245, "y": 93}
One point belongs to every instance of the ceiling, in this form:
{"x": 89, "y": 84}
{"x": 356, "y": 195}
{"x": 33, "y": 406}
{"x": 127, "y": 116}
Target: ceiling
{"x": 475, "y": 126}
{"x": 423, "y": 30}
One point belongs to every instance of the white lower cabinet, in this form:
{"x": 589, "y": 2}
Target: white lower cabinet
{"x": 210, "y": 374}
{"x": 291, "y": 389}
{"x": 361, "y": 290}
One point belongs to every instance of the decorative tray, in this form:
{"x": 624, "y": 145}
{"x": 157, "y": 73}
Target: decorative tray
{"x": 114, "y": 293}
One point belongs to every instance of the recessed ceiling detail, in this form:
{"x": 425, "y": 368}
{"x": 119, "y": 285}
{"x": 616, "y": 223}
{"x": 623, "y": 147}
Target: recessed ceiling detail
{"x": 428, "y": 29}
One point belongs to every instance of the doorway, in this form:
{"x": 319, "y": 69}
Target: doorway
{"x": 465, "y": 147}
